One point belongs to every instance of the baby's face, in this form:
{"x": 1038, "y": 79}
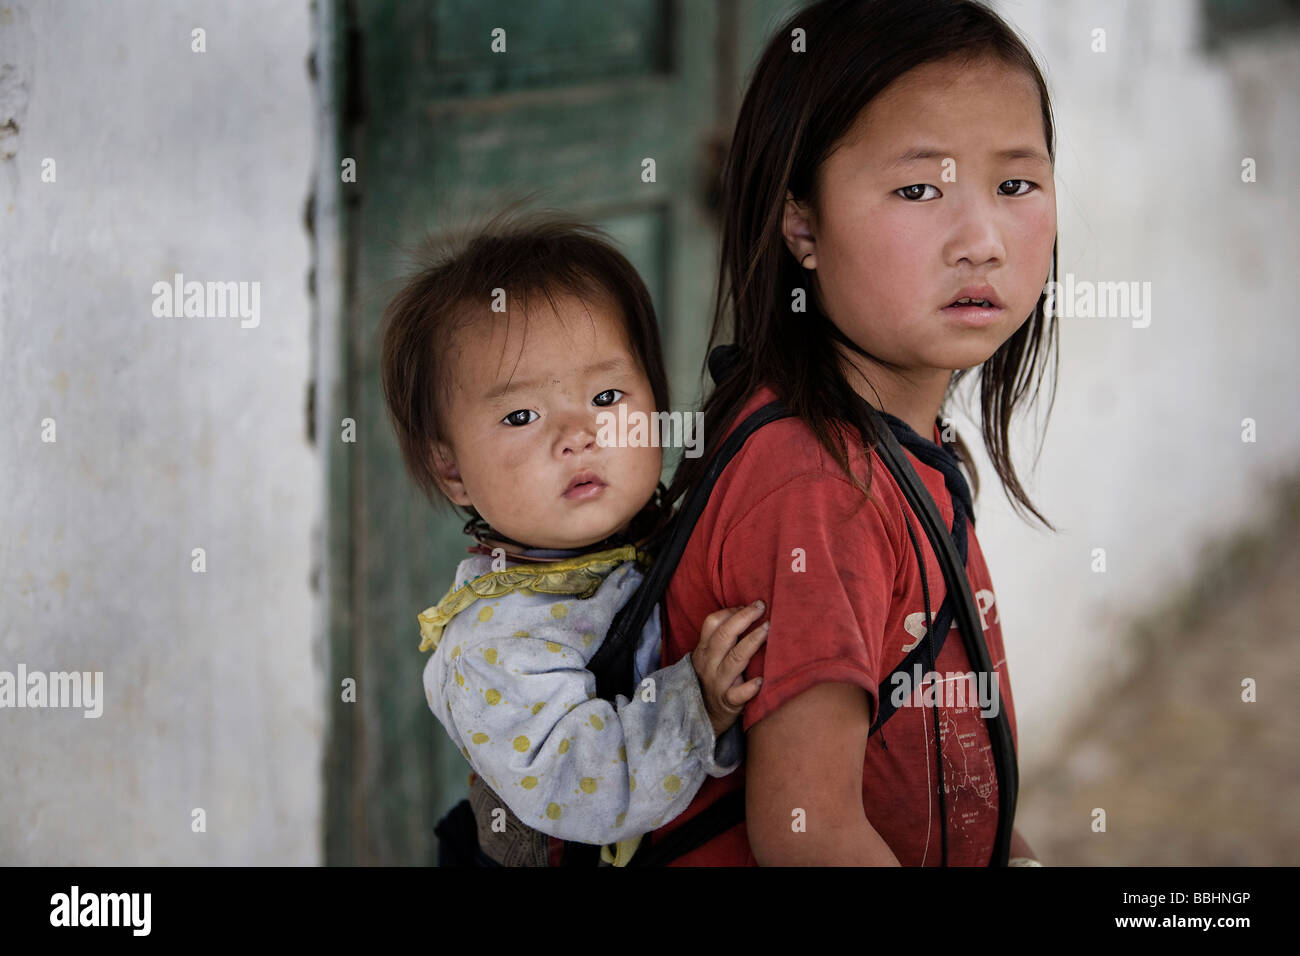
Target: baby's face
{"x": 522, "y": 419}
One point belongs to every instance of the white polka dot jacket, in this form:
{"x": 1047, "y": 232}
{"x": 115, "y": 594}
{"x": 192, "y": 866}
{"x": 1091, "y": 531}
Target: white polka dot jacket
{"x": 508, "y": 681}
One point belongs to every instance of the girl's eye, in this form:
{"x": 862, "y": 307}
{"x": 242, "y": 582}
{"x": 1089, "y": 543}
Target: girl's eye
{"x": 910, "y": 192}
{"x": 1024, "y": 182}
{"x": 514, "y": 417}
{"x": 610, "y": 392}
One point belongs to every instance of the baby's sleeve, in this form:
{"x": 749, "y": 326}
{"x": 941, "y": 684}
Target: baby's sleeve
{"x": 517, "y": 693}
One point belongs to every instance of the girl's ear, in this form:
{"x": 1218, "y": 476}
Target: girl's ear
{"x": 448, "y": 475}
{"x": 797, "y": 228}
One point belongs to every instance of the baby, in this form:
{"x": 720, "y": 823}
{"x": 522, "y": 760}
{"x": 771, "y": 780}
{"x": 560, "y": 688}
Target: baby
{"x": 497, "y": 363}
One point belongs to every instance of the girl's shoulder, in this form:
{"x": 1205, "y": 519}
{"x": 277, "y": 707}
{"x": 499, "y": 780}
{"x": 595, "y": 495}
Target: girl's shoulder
{"x": 784, "y": 462}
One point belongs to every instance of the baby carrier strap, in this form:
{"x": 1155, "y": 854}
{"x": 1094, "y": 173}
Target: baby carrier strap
{"x": 612, "y": 664}
{"x": 969, "y": 623}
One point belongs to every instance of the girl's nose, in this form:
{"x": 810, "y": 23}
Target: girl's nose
{"x": 977, "y": 235}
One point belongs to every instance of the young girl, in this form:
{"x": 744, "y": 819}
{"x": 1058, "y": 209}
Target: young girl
{"x": 499, "y": 361}
{"x": 889, "y": 219}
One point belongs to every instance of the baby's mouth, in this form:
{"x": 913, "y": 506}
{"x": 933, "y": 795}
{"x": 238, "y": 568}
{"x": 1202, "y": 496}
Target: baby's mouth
{"x": 585, "y": 484}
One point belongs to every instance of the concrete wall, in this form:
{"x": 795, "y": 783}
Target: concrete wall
{"x": 172, "y": 434}
{"x": 1144, "y": 454}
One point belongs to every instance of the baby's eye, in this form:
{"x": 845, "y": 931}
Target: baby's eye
{"x": 1023, "y": 182}
{"x": 908, "y": 192}
{"x": 514, "y": 419}
{"x": 610, "y": 392}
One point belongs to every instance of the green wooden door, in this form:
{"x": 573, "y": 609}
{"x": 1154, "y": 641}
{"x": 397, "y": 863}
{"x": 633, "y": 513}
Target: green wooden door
{"x": 452, "y": 108}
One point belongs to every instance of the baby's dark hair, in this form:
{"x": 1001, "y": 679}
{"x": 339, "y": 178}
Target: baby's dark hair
{"x": 455, "y": 283}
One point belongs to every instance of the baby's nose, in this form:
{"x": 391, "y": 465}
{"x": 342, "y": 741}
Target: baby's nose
{"x": 578, "y": 438}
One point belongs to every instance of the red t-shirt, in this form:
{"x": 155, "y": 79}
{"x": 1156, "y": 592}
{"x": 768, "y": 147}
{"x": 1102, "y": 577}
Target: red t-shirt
{"x": 844, "y": 598}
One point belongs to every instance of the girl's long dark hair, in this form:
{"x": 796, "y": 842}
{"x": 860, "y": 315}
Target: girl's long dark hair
{"x": 797, "y": 106}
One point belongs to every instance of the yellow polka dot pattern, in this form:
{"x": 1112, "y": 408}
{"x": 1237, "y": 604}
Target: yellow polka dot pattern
{"x": 510, "y": 709}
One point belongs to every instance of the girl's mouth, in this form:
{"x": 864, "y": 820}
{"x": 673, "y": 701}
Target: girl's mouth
{"x": 981, "y": 296}
{"x": 973, "y": 312}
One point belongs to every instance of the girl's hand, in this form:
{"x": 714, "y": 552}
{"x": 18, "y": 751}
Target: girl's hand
{"x": 720, "y": 660}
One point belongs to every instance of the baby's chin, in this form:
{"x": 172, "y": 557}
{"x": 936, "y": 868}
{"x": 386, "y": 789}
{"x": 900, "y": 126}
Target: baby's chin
{"x": 566, "y": 538}
{"x": 583, "y": 541}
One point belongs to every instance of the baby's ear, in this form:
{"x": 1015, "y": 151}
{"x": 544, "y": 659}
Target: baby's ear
{"x": 448, "y": 475}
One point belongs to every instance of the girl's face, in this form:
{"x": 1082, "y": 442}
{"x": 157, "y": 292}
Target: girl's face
{"x": 942, "y": 188}
{"x": 523, "y": 425}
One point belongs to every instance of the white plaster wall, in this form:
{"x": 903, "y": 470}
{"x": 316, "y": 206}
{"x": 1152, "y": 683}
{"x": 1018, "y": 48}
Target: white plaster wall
{"x": 1143, "y": 454}
{"x": 172, "y": 434}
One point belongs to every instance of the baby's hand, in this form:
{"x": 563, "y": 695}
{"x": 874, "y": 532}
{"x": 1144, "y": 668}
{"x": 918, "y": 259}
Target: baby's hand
{"x": 720, "y": 660}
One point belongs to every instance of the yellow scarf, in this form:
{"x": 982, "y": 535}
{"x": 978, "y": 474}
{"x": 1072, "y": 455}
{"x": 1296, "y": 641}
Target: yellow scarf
{"x": 580, "y": 577}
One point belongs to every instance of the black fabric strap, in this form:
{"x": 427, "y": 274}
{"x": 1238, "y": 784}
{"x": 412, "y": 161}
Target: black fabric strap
{"x": 612, "y": 662}
{"x": 943, "y": 460}
{"x": 711, "y": 822}
{"x": 968, "y": 620}
{"x": 580, "y": 854}
{"x": 952, "y": 552}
